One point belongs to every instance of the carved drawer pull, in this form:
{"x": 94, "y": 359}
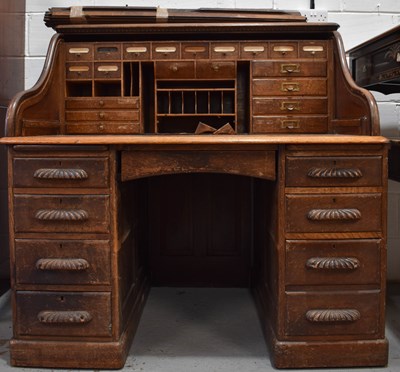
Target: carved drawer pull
{"x": 60, "y": 174}
{"x": 62, "y": 215}
{"x": 333, "y": 315}
{"x": 334, "y": 214}
{"x": 64, "y": 317}
{"x": 288, "y": 68}
{"x": 333, "y": 263}
{"x": 68, "y": 264}
{"x": 335, "y": 173}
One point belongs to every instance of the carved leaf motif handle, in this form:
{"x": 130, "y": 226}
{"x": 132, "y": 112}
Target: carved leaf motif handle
{"x": 64, "y": 317}
{"x": 68, "y": 264}
{"x": 333, "y": 315}
{"x": 60, "y": 174}
{"x": 335, "y": 173}
{"x": 333, "y": 263}
{"x": 334, "y": 214}
{"x": 62, "y": 215}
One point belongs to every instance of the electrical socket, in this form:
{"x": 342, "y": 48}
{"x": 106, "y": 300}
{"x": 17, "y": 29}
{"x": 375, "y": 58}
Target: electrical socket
{"x": 314, "y": 15}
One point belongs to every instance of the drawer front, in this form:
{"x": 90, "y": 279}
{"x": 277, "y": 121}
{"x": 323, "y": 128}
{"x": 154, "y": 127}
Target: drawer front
{"x": 289, "y": 68}
{"x": 102, "y": 103}
{"x": 334, "y": 213}
{"x": 254, "y": 50}
{"x": 195, "y": 51}
{"x": 62, "y": 213}
{"x": 215, "y": 70}
{"x": 119, "y": 127}
{"x": 137, "y": 51}
{"x": 107, "y": 52}
{"x": 292, "y": 87}
{"x": 107, "y": 70}
{"x": 290, "y": 124}
{"x": 333, "y": 171}
{"x": 62, "y": 262}
{"x": 174, "y": 70}
{"x": 63, "y": 314}
{"x": 96, "y": 115}
{"x": 79, "y": 70}
{"x": 283, "y": 50}
{"x": 225, "y": 51}
{"x": 313, "y": 49}
{"x": 166, "y": 50}
{"x": 287, "y": 105}
{"x": 333, "y": 314}
{"x": 78, "y": 52}
{"x": 333, "y": 262}
{"x": 60, "y": 172}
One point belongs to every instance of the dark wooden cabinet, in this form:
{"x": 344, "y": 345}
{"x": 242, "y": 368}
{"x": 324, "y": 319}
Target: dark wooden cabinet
{"x": 201, "y": 149}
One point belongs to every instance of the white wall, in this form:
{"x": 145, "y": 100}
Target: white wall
{"x": 359, "y": 21}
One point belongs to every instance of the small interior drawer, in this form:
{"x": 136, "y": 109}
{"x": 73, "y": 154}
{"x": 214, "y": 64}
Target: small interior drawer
{"x": 285, "y": 49}
{"x": 225, "y": 50}
{"x": 290, "y": 105}
{"x": 137, "y": 51}
{"x": 289, "y": 87}
{"x": 313, "y": 49}
{"x": 79, "y": 52}
{"x": 289, "y": 68}
{"x": 253, "y": 50}
{"x": 195, "y": 50}
{"x": 107, "y": 70}
{"x": 80, "y": 314}
{"x": 60, "y": 172}
{"x": 290, "y": 124}
{"x": 102, "y": 115}
{"x": 109, "y": 127}
{"x": 81, "y": 70}
{"x": 174, "y": 70}
{"x": 215, "y": 70}
{"x": 102, "y": 103}
{"x": 107, "y": 52}
{"x": 169, "y": 50}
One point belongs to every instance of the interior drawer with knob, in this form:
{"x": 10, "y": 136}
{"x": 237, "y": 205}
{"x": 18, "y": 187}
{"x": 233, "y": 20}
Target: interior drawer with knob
{"x": 329, "y": 314}
{"x": 324, "y": 213}
{"x": 79, "y": 51}
{"x": 62, "y": 262}
{"x": 101, "y": 127}
{"x": 215, "y": 70}
{"x": 65, "y": 314}
{"x": 284, "y": 49}
{"x": 81, "y": 70}
{"x": 225, "y": 51}
{"x": 333, "y": 262}
{"x": 107, "y": 51}
{"x": 60, "y": 172}
{"x": 289, "y": 68}
{"x": 62, "y": 213}
{"x": 107, "y": 70}
{"x": 333, "y": 171}
{"x": 168, "y": 50}
{"x": 102, "y": 103}
{"x": 99, "y": 115}
{"x": 313, "y": 49}
{"x": 288, "y": 105}
{"x": 136, "y": 51}
{"x": 174, "y": 70}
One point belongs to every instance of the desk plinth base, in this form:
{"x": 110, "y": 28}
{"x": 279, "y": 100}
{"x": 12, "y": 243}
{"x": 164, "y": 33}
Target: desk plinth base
{"x": 365, "y": 353}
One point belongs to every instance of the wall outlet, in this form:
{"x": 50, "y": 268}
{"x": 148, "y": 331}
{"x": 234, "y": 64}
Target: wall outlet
{"x": 314, "y": 15}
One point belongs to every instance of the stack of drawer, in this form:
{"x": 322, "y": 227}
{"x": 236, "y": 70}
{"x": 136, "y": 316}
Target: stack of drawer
{"x": 334, "y": 256}
{"x": 95, "y": 86}
{"x": 290, "y": 89}
{"x": 61, "y": 255}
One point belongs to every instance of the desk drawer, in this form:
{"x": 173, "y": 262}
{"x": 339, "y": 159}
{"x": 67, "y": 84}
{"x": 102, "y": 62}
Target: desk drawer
{"x": 289, "y": 87}
{"x": 174, "y": 70}
{"x": 107, "y": 51}
{"x": 60, "y": 172}
{"x": 290, "y": 124}
{"x": 118, "y": 127}
{"x": 333, "y": 262}
{"x": 225, "y": 51}
{"x": 333, "y": 171}
{"x": 215, "y": 70}
{"x": 293, "y": 106}
{"x": 78, "y": 51}
{"x": 100, "y": 115}
{"x": 107, "y": 70}
{"x": 79, "y": 70}
{"x": 102, "y": 103}
{"x": 333, "y": 313}
{"x": 289, "y": 68}
{"x": 63, "y": 314}
{"x": 334, "y": 213}
{"x": 62, "y": 213}
{"x": 62, "y": 262}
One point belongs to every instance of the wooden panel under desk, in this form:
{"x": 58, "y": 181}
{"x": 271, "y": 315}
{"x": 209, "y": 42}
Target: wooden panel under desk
{"x": 137, "y": 164}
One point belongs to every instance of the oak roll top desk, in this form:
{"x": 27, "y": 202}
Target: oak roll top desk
{"x": 195, "y": 148}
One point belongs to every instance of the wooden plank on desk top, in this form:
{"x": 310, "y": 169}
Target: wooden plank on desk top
{"x": 270, "y": 139}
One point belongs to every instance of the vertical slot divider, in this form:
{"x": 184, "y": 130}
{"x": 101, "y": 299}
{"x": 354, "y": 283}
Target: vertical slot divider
{"x": 222, "y": 102}
{"x": 195, "y": 101}
{"x": 182, "y": 103}
{"x": 131, "y": 82}
{"x": 169, "y": 102}
{"x": 209, "y": 102}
